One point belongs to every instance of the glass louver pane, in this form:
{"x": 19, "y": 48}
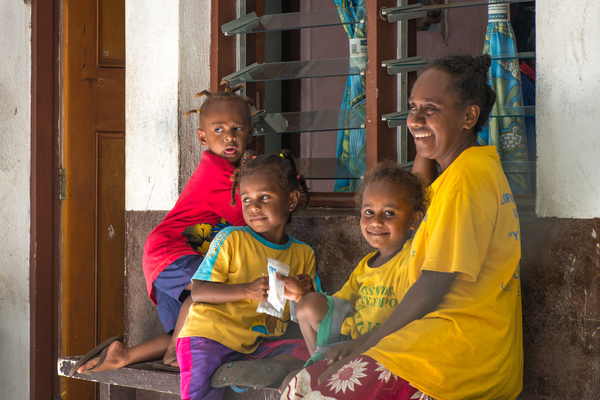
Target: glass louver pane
{"x": 299, "y": 70}
{"x": 308, "y": 121}
{"x": 251, "y": 23}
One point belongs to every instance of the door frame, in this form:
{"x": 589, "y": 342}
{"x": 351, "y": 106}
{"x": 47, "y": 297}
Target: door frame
{"x": 45, "y": 206}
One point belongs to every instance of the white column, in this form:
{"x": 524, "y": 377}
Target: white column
{"x": 15, "y": 207}
{"x": 168, "y": 48}
{"x": 567, "y": 116}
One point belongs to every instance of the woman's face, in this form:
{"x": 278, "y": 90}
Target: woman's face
{"x": 442, "y": 128}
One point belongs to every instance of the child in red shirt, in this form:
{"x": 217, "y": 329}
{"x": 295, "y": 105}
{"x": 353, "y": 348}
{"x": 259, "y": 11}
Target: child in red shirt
{"x": 177, "y": 246}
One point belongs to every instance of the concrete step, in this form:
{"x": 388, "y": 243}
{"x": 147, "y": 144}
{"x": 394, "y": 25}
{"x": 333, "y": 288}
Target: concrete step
{"x": 123, "y": 383}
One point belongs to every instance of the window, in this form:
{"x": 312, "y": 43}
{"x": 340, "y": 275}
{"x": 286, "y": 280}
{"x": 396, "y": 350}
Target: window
{"x": 299, "y": 78}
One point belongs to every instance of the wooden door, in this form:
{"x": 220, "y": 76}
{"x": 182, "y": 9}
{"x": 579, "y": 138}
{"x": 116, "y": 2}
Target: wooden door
{"x": 92, "y": 120}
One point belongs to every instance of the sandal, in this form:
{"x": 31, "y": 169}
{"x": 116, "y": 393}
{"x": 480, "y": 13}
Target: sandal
{"x": 255, "y": 373}
{"x": 101, "y": 350}
{"x": 165, "y": 367}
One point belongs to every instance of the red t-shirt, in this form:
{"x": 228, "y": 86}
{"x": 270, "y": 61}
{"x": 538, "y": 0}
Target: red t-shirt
{"x": 202, "y": 210}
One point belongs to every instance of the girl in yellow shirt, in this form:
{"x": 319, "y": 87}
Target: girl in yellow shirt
{"x": 224, "y": 325}
{"x": 392, "y": 204}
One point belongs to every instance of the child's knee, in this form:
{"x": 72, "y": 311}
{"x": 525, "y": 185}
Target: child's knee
{"x": 313, "y": 305}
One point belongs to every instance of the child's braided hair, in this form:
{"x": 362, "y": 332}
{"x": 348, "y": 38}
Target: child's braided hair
{"x": 225, "y": 93}
{"x": 391, "y": 172}
{"x": 282, "y": 165}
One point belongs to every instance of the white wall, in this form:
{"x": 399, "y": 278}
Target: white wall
{"x": 15, "y": 170}
{"x": 151, "y": 149}
{"x": 567, "y": 112}
{"x": 194, "y": 76}
{"x": 168, "y": 48}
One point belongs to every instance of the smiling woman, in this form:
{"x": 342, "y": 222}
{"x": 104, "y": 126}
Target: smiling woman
{"x": 442, "y": 121}
{"x": 456, "y": 333}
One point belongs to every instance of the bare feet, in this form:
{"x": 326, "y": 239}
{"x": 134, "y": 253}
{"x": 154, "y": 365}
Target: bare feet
{"x": 116, "y": 357}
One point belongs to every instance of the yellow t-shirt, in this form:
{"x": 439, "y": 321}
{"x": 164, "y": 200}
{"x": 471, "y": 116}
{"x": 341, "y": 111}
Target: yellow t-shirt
{"x": 374, "y": 293}
{"x": 239, "y": 255}
{"x": 471, "y": 346}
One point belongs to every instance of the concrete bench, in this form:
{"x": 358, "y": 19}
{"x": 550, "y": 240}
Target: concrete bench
{"x": 142, "y": 381}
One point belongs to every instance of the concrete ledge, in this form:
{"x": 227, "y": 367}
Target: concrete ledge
{"x": 138, "y": 376}
{"x": 144, "y": 377}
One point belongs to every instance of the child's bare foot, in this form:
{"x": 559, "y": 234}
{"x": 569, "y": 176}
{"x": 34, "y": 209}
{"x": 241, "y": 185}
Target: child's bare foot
{"x": 116, "y": 357}
{"x": 170, "y": 357}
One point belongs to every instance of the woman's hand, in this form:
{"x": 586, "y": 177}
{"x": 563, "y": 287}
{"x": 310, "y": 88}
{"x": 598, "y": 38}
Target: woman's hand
{"x": 333, "y": 368}
{"x": 341, "y": 351}
{"x": 258, "y": 289}
{"x": 293, "y": 287}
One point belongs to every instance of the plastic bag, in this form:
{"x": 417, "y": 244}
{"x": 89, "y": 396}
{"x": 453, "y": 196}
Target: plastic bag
{"x": 275, "y": 302}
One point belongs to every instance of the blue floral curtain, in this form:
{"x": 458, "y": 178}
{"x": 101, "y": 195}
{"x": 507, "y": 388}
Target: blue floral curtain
{"x": 351, "y": 143}
{"x": 507, "y": 133}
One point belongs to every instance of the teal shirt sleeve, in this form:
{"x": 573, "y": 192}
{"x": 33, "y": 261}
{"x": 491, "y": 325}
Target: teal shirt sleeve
{"x": 205, "y": 270}
{"x": 318, "y": 283}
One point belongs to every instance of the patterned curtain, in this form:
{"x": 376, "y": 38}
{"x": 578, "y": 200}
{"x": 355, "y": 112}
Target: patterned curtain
{"x": 507, "y": 133}
{"x": 351, "y": 143}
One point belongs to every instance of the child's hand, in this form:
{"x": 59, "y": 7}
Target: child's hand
{"x": 258, "y": 290}
{"x": 306, "y": 281}
{"x": 293, "y": 289}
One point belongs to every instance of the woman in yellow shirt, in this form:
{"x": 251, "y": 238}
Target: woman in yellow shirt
{"x": 457, "y": 332}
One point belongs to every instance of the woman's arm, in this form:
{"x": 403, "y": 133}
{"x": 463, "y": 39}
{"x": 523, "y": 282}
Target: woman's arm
{"x": 220, "y": 293}
{"x": 425, "y": 169}
{"x": 422, "y": 298}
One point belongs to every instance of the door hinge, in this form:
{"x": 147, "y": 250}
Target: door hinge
{"x": 62, "y": 184}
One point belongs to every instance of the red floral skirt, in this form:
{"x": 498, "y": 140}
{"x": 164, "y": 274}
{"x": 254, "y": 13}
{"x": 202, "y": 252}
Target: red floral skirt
{"x": 361, "y": 379}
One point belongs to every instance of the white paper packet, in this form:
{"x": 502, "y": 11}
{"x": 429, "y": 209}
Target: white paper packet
{"x": 275, "y": 302}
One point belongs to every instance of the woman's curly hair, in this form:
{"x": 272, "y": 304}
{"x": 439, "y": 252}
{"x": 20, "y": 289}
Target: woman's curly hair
{"x": 470, "y": 82}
